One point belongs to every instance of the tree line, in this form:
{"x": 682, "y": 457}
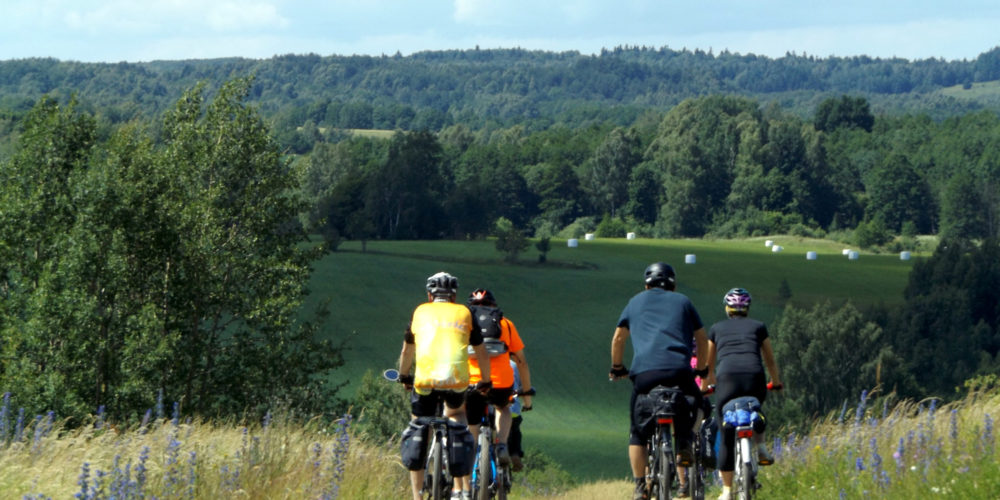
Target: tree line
{"x": 501, "y": 87}
{"x": 719, "y": 166}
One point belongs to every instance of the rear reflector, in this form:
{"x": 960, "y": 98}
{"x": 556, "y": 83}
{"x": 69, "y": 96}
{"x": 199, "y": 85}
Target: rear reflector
{"x": 746, "y": 433}
{"x": 662, "y": 421}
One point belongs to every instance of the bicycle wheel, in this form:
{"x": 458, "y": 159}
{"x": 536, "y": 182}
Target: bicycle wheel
{"x": 483, "y": 472}
{"x": 696, "y": 480}
{"x": 744, "y": 471}
{"x": 666, "y": 469}
{"x": 502, "y": 482}
{"x": 435, "y": 468}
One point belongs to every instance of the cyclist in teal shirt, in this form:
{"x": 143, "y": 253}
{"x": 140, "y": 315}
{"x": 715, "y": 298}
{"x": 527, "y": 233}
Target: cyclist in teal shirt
{"x": 663, "y": 325}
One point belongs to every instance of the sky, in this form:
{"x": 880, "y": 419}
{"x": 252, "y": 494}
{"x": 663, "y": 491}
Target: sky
{"x": 147, "y": 30}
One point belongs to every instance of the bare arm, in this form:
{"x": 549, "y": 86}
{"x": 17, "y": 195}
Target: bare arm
{"x": 525, "y": 372}
{"x": 483, "y": 358}
{"x": 618, "y": 346}
{"x": 710, "y": 360}
{"x": 770, "y": 362}
{"x": 701, "y": 345}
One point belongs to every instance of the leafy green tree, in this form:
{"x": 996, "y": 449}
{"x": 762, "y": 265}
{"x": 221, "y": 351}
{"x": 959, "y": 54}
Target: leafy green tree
{"x": 611, "y": 168}
{"x": 511, "y": 241}
{"x": 898, "y": 193}
{"x": 176, "y": 266}
{"x": 844, "y": 112}
{"x": 962, "y": 209}
{"x": 828, "y": 356}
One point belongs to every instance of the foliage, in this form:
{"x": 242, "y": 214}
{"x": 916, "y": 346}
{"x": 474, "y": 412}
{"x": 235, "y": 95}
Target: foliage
{"x": 381, "y": 406}
{"x": 831, "y": 341}
{"x": 611, "y": 227}
{"x": 511, "y": 241}
{"x": 134, "y": 266}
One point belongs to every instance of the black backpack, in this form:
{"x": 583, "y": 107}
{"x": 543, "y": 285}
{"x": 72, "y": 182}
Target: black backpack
{"x": 487, "y": 319}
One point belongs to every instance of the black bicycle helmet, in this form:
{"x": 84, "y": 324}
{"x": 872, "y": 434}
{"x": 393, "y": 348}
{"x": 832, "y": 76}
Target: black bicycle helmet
{"x": 442, "y": 284}
{"x": 659, "y": 274}
{"x": 482, "y": 297}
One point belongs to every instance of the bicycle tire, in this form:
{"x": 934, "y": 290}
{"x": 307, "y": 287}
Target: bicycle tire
{"x": 745, "y": 485}
{"x": 483, "y": 472}
{"x": 502, "y": 482}
{"x": 696, "y": 479}
{"x": 435, "y": 467}
{"x": 665, "y": 471}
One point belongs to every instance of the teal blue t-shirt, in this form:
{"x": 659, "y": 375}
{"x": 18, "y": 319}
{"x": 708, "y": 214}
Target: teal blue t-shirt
{"x": 661, "y": 324}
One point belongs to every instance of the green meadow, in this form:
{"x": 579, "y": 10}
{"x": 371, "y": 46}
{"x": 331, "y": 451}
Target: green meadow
{"x": 566, "y": 309}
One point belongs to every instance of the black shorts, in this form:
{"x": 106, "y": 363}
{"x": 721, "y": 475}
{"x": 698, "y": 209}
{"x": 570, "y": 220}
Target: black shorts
{"x": 426, "y": 406}
{"x": 645, "y": 382}
{"x": 475, "y": 403}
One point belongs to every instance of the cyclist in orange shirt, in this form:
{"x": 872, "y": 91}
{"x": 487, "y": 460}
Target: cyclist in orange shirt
{"x": 500, "y": 371}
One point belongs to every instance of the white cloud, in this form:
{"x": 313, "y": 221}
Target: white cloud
{"x": 127, "y": 16}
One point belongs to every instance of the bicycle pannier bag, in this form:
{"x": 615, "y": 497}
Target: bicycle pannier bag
{"x": 461, "y": 449}
{"x": 669, "y": 400}
{"x": 743, "y": 411}
{"x": 413, "y": 445}
{"x": 709, "y": 430}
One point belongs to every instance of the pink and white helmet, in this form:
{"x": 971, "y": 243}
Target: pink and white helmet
{"x": 737, "y": 298}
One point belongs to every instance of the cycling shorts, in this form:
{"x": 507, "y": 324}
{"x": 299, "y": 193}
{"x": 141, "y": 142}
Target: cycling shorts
{"x": 427, "y": 405}
{"x": 475, "y": 406}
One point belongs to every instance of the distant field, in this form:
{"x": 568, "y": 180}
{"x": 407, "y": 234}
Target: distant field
{"x": 976, "y": 91}
{"x": 566, "y": 311}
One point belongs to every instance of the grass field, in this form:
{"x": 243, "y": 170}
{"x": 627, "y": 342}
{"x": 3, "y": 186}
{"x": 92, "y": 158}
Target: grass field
{"x": 566, "y": 310}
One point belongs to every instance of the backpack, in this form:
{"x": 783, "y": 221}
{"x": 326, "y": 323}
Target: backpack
{"x": 487, "y": 319}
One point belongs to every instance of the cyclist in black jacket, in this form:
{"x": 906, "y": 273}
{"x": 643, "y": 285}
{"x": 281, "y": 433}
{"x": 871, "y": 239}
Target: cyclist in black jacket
{"x": 738, "y": 349}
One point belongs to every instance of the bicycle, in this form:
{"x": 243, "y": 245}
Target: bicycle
{"x": 696, "y": 471}
{"x": 743, "y": 414}
{"x": 437, "y": 478}
{"x": 489, "y": 478}
{"x": 661, "y": 471}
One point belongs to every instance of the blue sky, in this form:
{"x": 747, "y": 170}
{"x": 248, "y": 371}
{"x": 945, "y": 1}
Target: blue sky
{"x": 145, "y": 30}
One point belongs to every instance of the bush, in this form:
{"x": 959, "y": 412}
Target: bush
{"x": 578, "y": 228}
{"x": 611, "y": 227}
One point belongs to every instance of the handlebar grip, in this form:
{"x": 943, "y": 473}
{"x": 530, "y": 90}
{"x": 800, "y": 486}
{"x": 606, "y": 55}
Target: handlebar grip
{"x": 771, "y": 386}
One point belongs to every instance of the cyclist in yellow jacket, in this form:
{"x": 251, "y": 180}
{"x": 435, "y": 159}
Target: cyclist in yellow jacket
{"x": 437, "y": 343}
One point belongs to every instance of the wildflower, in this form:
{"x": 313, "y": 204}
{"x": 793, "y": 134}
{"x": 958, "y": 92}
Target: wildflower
{"x": 859, "y": 464}
{"x": 82, "y": 481}
{"x": 860, "y": 412}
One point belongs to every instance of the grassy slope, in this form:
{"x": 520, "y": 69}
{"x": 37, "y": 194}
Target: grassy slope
{"x": 566, "y": 313}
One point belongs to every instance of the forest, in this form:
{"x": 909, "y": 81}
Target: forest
{"x": 149, "y": 209}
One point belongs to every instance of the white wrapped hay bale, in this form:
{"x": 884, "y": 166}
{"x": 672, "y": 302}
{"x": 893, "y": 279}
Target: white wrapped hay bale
{"x": 853, "y": 255}
{"x": 904, "y": 255}
{"x": 572, "y": 242}
{"x": 588, "y": 236}
{"x": 846, "y": 251}
{"x": 810, "y": 255}
{"x": 768, "y": 243}
{"x": 689, "y": 258}
{"x": 630, "y": 236}
{"x": 777, "y": 248}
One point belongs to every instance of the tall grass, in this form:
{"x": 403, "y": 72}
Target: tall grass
{"x": 913, "y": 450}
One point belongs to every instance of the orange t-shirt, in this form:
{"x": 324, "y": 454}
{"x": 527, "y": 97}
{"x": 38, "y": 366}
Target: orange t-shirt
{"x": 501, "y": 374}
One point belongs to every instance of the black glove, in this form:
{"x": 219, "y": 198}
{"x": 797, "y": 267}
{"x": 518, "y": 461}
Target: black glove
{"x": 618, "y": 371}
{"x": 484, "y": 386}
{"x": 406, "y": 380}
